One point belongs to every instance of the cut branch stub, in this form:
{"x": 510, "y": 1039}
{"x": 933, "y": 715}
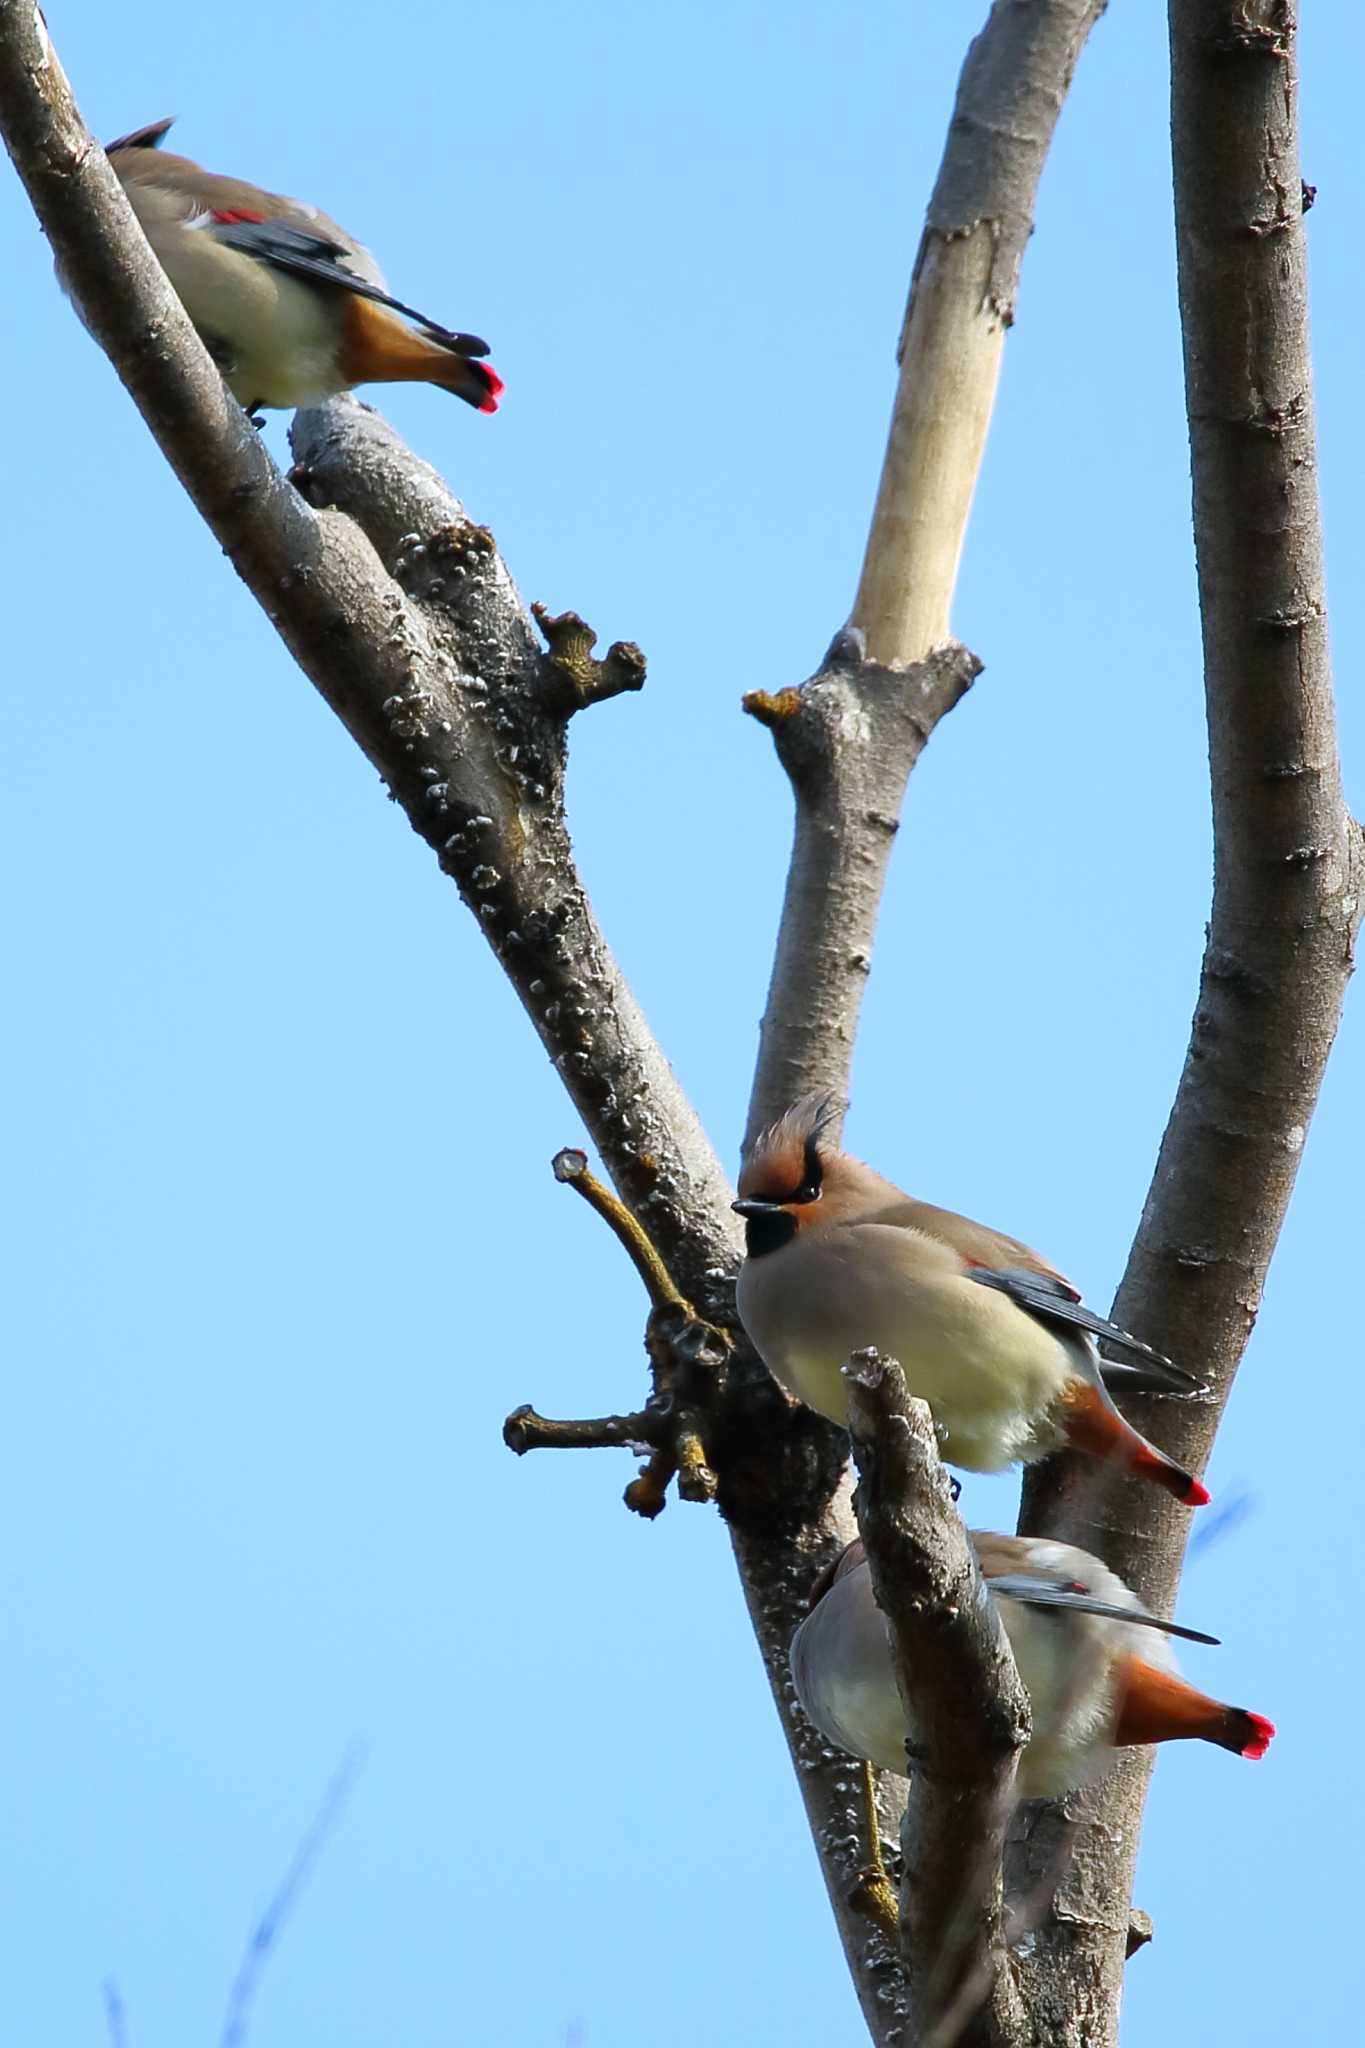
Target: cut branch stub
{"x": 578, "y": 678}
{"x": 896, "y": 708}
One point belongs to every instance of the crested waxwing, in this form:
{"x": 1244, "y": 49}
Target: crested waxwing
{"x": 289, "y": 307}
{"x": 994, "y": 1339}
{"x": 1098, "y": 1670}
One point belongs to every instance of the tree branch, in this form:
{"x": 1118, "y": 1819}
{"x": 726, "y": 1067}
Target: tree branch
{"x": 968, "y": 1714}
{"x": 1287, "y": 860}
{"x": 962, "y": 295}
{"x": 401, "y": 612}
{"x": 848, "y": 740}
{"x": 443, "y": 685}
{"x": 850, "y": 736}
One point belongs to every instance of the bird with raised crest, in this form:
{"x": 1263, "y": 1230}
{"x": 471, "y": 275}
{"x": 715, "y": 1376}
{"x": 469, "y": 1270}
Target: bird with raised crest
{"x": 1001, "y": 1347}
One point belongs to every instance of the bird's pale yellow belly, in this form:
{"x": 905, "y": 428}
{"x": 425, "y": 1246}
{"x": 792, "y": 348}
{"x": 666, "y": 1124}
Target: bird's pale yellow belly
{"x": 990, "y": 1372}
{"x": 281, "y": 337}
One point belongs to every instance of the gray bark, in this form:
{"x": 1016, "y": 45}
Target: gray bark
{"x": 1287, "y": 875}
{"x": 850, "y": 737}
{"x": 968, "y": 1717}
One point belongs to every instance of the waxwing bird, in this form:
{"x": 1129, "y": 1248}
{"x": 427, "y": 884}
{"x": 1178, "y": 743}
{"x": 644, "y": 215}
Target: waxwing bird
{"x": 288, "y": 305}
{"x": 995, "y": 1340}
{"x": 1098, "y": 1670}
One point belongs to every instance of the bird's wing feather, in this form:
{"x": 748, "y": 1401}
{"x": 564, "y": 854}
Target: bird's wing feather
{"x": 975, "y": 1242}
{"x": 1036, "y": 1591}
{"x": 313, "y": 256}
{"x": 150, "y": 137}
{"x": 1121, "y": 1377}
{"x": 1052, "y": 1301}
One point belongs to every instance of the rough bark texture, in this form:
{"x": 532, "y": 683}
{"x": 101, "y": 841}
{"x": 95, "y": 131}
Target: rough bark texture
{"x": 1287, "y": 869}
{"x": 968, "y": 1716}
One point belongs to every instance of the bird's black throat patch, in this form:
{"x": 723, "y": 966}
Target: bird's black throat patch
{"x": 768, "y": 1232}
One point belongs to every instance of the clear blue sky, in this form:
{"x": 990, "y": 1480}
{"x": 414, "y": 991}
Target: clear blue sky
{"x": 273, "y": 1289}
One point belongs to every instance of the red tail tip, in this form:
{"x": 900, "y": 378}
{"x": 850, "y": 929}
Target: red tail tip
{"x": 495, "y": 388}
{"x": 1258, "y": 1741}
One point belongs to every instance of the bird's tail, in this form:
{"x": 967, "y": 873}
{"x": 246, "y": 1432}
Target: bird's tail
{"x": 475, "y": 383}
{"x": 1158, "y": 1706}
{"x": 382, "y": 349}
{"x": 1093, "y": 1424}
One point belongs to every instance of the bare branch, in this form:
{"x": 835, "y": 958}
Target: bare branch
{"x": 445, "y": 689}
{"x": 479, "y": 766}
{"x": 961, "y": 301}
{"x": 1287, "y": 858}
{"x": 848, "y": 740}
{"x": 571, "y": 1167}
{"x": 850, "y": 737}
{"x": 968, "y": 1715}
{"x": 526, "y": 1430}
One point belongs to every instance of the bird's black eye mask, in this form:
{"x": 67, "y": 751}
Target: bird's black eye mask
{"x": 812, "y": 1174}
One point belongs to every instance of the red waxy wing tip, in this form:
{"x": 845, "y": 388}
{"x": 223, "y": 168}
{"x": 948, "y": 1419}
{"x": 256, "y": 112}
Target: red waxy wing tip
{"x": 1197, "y": 1496}
{"x": 495, "y": 388}
{"x": 233, "y": 216}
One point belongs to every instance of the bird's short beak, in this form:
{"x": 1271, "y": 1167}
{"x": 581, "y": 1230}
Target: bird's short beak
{"x": 751, "y": 1205}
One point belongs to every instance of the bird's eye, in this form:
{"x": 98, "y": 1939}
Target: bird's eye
{"x": 813, "y": 1175}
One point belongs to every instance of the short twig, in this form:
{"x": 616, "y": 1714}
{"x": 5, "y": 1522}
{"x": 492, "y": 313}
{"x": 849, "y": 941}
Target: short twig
{"x": 266, "y": 1932}
{"x": 648, "y": 1494}
{"x": 1140, "y": 1932}
{"x": 580, "y": 678}
{"x": 571, "y": 1167}
{"x": 526, "y": 1430}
